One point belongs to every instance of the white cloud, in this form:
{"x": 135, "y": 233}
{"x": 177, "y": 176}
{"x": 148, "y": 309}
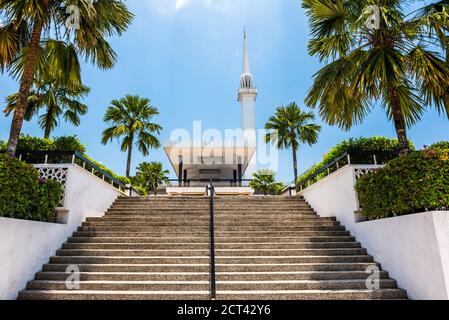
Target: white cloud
{"x": 178, "y": 5}
{"x": 181, "y": 4}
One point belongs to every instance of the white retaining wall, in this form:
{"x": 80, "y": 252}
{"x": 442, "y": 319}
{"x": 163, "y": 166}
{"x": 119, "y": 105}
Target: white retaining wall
{"x": 26, "y": 245}
{"x": 414, "y": 249}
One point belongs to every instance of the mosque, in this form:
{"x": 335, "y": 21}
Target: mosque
{"x": 229, "y": 163}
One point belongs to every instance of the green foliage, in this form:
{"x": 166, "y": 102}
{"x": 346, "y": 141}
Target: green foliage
{"x": 122, "y": 179}
{"x": 130, "y": 122}
{"x": 23, "y": 195}
{"x": 361, "y": 151}
{"x": 63, "y": 143}
{"x": 402, "y": 64}
{"x": 264, "y": 181}
{"x": 289, "y": 127}
{"x": 443, "y": 145}
{"x": 56, "y": 100}
{"x": 68, "y": 143}
{"x": 415, "y": 183}
{"x": 28, "y": 143}
{"x": 150, "y": 176}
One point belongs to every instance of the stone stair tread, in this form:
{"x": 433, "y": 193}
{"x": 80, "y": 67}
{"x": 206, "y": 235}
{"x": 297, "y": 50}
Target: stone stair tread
{"x": 158, "y": 248}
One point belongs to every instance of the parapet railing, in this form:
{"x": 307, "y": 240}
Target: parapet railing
{"x": 74, "y": 157}
{"x": 206, "y": 182}
{"x": 344, "y": 159}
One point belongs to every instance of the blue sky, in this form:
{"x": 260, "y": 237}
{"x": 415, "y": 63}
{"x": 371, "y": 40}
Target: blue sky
{"x": 185, "y": 55}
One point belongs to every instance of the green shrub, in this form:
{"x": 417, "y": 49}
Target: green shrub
{"x": 122, "y": 179}
{"x": 443, "y": 145}
{"x": 27, "y": 143}
{"x": 264, "y": 181}
{"x": 415, "y": 183}
{"x": 361, "y": 151}
{"x": 30, "y": 143}
{"x": 23, "y": 195}
{"x": 68, "y": 143}
{"x": 64, "y": 143}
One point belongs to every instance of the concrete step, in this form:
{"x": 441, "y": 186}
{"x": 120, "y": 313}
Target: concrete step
{"x": 384, "y": 294}
{"x": 237, "y": 235}
{"x": 204, "y": 285}
{"x": 203, "y": 229}
{"x": 204, "y": 267}
{"x": 117, "y": 268}
{"x": 218, "y": 224}
{"x": 205, "y": 245}
{"x": 112, "y": 295}
{"x": 127, "y": 276}
{"x": 123, "y": 285}
{"x": 143, "y": 234}
{"x": 205, "y": 219}
{"x": 223, "y": 207}
{"x": 200, "y": 252}
{"x": 236, "y": 215}
{"x": 176, "y": 230}
{"x": 204, "y": 276}
{"x": 222, "y": 295}
{"x": 205, "y": 259}
{"x": 193, "y": 239}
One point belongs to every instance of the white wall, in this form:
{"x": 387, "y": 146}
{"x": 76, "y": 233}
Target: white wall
{"x": 414, "y": 249}
{"x": 26, "y": 245}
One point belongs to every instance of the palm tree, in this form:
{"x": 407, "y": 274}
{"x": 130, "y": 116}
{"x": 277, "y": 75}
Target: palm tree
{"x": 290, "y": 127}
{"x": 393, "y": 62}
{"x": 57, "y": 100}
{"x": 130, "y": 118}
{"x": 264, "y": 181}
{"x": 151, "y": 175}
{"x": 39, "y": 37}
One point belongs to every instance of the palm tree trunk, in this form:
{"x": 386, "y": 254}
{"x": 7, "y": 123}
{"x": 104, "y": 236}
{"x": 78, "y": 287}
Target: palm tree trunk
{"x": 25, "y": 85}
{"x": 47, "y": 126}
{"x": 130, "y": 151}
{"x": 47, "y": 130}
{"x": 295, "y": 164}
{"x": 399, "y": 124}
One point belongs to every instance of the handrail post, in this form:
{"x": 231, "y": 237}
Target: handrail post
{"x": 213, "y": 286}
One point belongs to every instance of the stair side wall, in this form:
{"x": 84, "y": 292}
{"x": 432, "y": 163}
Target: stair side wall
{"x": 26, "y": 245}
{"x": 414, "y": 249}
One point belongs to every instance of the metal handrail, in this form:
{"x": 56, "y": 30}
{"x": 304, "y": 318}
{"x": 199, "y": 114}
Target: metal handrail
{"x": 77, "y": 155}
{"x": 188, "y": 182}
{"x": 325, "y": 168}
{"x": 213, "y": 283}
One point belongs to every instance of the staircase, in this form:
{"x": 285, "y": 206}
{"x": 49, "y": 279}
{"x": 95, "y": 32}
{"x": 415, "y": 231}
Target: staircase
{"x": 265, "y": 248}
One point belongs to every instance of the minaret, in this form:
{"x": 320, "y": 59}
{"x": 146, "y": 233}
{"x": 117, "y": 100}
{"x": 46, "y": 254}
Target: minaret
{"x": 247, "y": 98}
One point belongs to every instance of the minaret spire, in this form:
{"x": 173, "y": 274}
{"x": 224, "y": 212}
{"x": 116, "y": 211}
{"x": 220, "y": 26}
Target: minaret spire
{"x": 247, "y": 97}
{"x": 245, "y": 54}
{"x": 246, "y": 79}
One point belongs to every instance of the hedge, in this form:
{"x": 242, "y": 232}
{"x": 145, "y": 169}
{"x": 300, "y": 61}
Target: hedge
{"x": 23, "y": 195}
{"x": 361, "y": 151}
{"x": 63, "y": 143}
{"x": 417, "y": 182}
